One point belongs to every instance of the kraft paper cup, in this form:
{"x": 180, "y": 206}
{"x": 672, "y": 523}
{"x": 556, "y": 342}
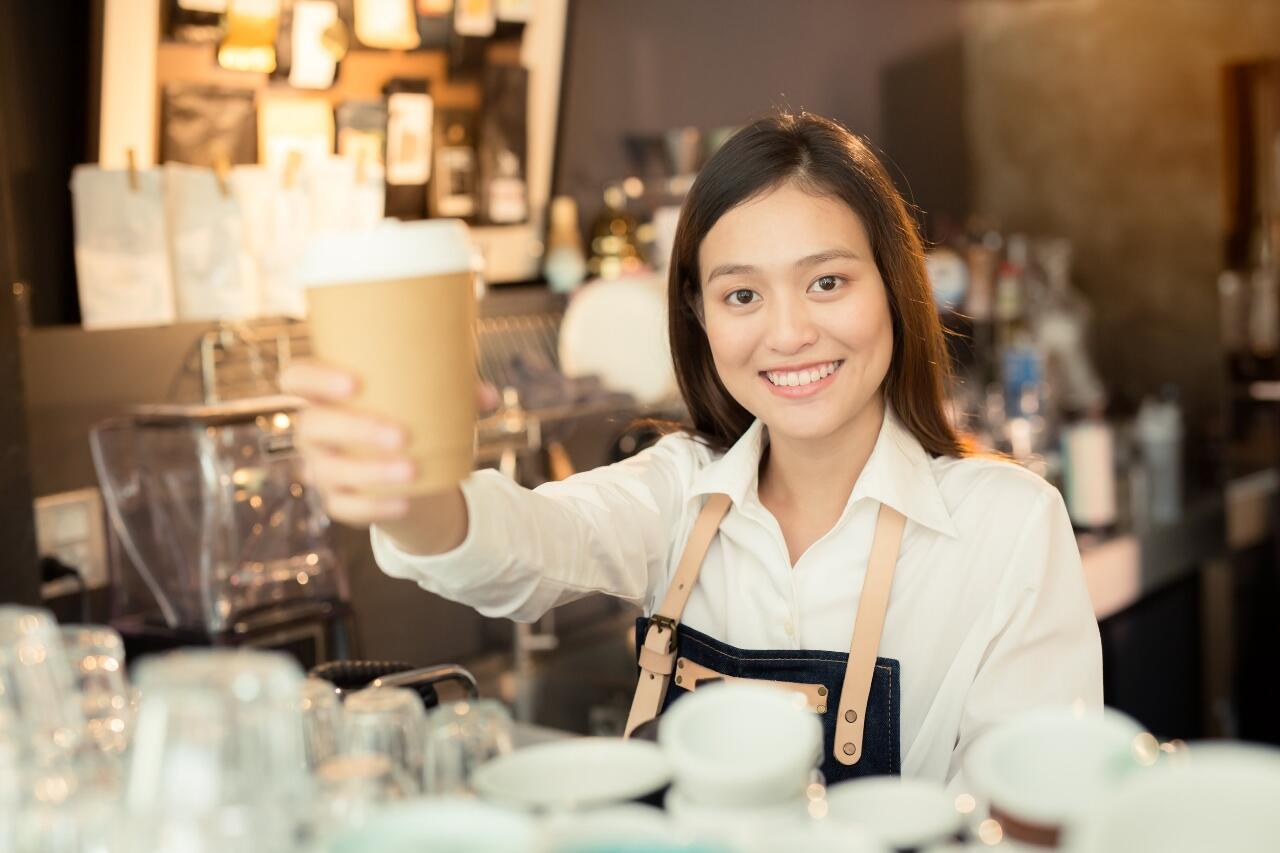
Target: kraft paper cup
{"x": 396, "y": 307}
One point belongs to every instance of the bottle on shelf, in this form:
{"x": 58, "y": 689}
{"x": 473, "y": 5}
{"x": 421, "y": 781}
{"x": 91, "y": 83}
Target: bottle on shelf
{"x": 564, "y": 265}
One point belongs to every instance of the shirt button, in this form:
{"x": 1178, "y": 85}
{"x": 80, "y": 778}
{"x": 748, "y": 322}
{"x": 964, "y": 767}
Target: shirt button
{"x": 789, "y": 628}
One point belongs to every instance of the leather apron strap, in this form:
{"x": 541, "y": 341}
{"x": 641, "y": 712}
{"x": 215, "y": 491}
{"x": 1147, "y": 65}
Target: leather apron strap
{"x": 658, "y": 653}
{"x": 872, "y": 606}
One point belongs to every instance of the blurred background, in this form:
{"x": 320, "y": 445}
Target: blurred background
{"x": 1098, "y": 180}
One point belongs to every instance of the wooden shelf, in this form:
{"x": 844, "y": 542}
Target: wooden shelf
{"x": 361, "y": 75}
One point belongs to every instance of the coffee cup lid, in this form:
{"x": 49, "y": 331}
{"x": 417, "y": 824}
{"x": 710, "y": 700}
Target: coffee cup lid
{"x": 393, "y": 250}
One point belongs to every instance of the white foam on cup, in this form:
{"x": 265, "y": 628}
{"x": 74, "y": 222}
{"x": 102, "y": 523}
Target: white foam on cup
{"x": 394, "y": 250}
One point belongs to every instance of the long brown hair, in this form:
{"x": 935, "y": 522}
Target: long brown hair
{"x": 827, "y": 159}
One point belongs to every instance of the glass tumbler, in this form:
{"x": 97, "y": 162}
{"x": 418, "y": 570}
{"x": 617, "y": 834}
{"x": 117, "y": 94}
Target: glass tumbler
{"x": 460, "y": 737}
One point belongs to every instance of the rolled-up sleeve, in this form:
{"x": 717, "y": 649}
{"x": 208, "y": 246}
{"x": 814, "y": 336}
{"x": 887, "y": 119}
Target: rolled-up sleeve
{"x": 1045, "y": 648}
{"x": 606, "y": 530}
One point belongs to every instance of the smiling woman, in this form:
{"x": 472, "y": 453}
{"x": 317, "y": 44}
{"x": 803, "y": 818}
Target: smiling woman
{"x": 802, "y": 232}
{"x": 820, "y": 527}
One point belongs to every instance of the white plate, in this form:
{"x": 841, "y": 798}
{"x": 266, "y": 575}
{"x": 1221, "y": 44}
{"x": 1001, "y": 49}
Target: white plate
{"x": 626, "y": 827}
{"x": 739, "y": 826}
{"x": 617, "y": 330}
{"x": 578, "y": 773}
{"x": 901, "y": 812}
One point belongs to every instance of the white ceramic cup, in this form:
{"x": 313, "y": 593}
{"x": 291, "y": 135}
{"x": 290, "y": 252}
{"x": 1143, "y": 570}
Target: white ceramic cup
{"x": 741, "y": 745}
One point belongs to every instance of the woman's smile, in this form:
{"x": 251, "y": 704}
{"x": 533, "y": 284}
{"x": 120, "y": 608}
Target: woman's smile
{"x": 802, "y": 380}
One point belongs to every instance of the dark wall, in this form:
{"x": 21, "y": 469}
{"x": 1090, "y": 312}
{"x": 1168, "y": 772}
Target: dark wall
{"x": 646, "y": 67}
{"x": 18, "y": 577}
{"x": 1103, "y": 122}
{"x": 47, "y": 73}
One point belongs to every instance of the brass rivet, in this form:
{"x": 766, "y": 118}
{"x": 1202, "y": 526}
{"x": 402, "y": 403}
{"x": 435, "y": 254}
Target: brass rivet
{"x": 822, "y": 709}
{"x": 651, "y": 676}
{"x": 822, "y": 691}
{"x": 678, "y": 679}
{"x": 851, "y": 716}
{"x": 850, "y": 749}
{"x": 680, "y": 663}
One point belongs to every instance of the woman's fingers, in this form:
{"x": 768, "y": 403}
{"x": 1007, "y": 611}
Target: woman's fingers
{"x": 338, "y": 429}
{"x": 318, "y": 382}
{"x": 487, "y": 398}
{"x": 360, "y": 510}
{"x": 334, "y": 472}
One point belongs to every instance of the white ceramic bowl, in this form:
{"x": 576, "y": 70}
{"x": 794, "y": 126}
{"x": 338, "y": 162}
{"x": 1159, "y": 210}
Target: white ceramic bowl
{"x": 574, "y": 773}
{"x": 741, "y": 744}
{"x": 444, "y": 825}
{"x": 1213, "y": 797}
{"x": 903, "y": 813}
{"x": 1045, "y": 767}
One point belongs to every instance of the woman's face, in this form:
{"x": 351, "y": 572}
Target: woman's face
{"x": 796, "y": 312}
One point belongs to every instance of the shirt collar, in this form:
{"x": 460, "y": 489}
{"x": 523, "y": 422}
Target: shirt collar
{"x": 897, "y": 474}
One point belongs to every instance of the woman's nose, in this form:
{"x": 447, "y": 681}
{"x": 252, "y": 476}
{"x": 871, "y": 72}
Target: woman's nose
{"x": 790, "y": 327}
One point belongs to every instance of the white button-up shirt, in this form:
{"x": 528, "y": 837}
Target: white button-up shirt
{"x": 988, "y": 612}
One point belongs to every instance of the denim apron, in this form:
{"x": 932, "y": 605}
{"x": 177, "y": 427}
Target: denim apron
{"x": 859, "y": 704}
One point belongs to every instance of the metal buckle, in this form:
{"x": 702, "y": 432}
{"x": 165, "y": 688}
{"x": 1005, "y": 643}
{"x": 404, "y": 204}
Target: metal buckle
{"x": 660, "y": 621}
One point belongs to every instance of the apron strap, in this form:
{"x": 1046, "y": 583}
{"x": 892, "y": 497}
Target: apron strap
{"x": 867, "y": 628}
{"x": 658, "y": 653}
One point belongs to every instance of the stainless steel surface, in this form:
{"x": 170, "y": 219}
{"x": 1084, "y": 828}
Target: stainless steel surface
{"x": 431, "y": 675}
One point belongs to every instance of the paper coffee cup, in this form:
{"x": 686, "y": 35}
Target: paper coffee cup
{"x": 396, "y": 307}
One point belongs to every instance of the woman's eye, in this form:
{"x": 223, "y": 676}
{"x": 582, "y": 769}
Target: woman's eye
{"x": 741, "y": 297}
{"x": 826, "y": 284}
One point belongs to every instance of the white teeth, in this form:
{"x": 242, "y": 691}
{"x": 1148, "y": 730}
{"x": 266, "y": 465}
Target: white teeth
{"x": 793, "y": 378}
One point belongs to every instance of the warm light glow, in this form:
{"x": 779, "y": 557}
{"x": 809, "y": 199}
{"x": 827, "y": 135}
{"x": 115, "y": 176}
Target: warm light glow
{"x": 303, "y": 577}
{"x": 965, "y": 804}
{"x": 990, "y": 832}
{"x": 818, "y": 809}
{"x": 52, "y": 789}
{"x": 816, "y": 791}
{"x": 31, "y": 655}
{"x": 281, "y": 421}
{"x": 1146, "y": 748}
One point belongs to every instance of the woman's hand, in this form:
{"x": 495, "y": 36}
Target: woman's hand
{"x": 353, "y": 458}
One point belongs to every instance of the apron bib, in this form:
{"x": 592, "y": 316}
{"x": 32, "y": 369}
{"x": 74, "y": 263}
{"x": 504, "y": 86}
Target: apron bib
{"x": 857, "y": 695}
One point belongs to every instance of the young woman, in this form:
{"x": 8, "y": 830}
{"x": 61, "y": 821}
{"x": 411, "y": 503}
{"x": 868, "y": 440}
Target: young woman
{"x": 821, "y": 526}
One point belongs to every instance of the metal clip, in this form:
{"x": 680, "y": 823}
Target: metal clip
{"x": 657, "y": 620}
